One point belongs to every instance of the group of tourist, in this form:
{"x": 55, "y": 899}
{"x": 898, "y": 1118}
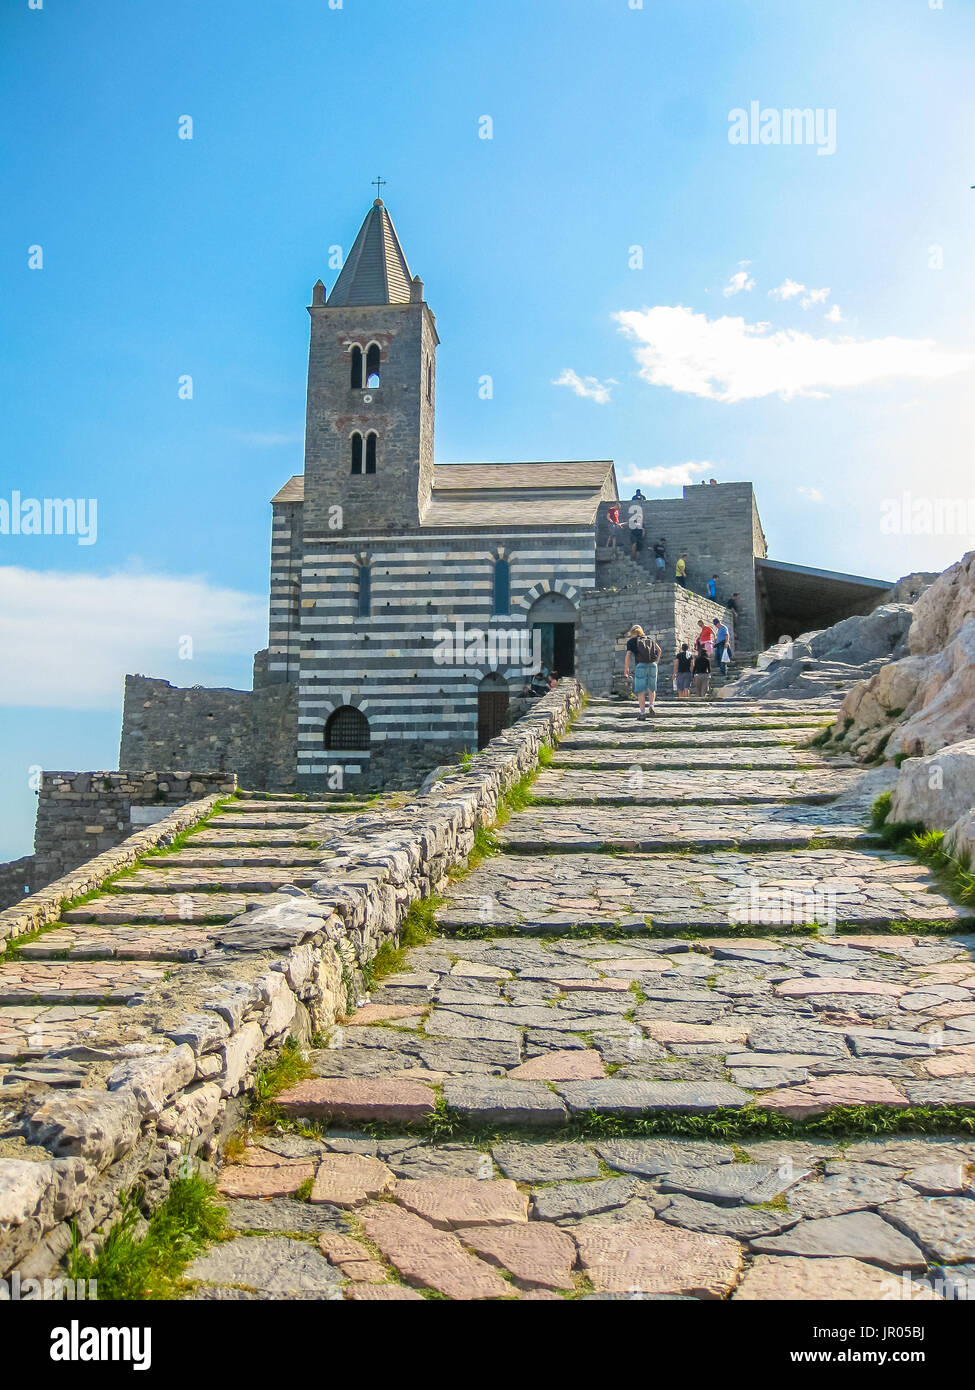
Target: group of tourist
{"x": 637, "y": 535}
{"x": 712, "y": 648}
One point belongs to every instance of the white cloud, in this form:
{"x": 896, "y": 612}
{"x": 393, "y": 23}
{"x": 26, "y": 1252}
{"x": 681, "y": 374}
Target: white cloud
{"x": 741, "y": 280}
{"x": 814, "y": 297}
{"x": 727, "y": 359}
{"x": 69, "y": 639}
{"x": 589, "y": 387}
{"x": 833, "y": 314}
{"x": 811, "y": 494}
{"x": 676, "y": 474}
{"x": 787, "y": 290}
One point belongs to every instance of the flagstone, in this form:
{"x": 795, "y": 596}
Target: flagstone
{"x": 794, "y": 1278}
{"x": 579, "y": 1065}
{"x": 813, "y": 1097}
{"x": 347, "y": 1180}
{"x": 452, "y": 1203}
{"x": 539, "y": 1255}
{"x": 381, "y": 1100}
{"x": 652, "y": 1257}
{"x": 433, "y": 1258}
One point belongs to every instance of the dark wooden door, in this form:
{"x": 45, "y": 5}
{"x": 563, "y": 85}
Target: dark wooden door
{"x": 492, "y": 715}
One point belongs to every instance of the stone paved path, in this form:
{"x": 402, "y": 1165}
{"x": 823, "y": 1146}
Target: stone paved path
{"x": 758, "y": 980}
{"x": 479, "y": 1128}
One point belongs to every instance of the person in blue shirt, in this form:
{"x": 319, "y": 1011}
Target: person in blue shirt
{"x": 713, "y": 586}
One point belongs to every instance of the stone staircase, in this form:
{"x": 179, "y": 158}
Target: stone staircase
{"x": 642, "y": 1055}
{"x": 690, "y": 918}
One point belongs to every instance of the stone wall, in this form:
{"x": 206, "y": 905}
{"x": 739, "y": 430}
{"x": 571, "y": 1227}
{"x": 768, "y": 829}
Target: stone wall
{"x": 252, "y": 733}
{"x": 720, "y": 529}
{"x": 281, "y": 969}
{"x": 16, "y": 879}
{"x": 83, "y": 814}
{"x": 665, "y": 611}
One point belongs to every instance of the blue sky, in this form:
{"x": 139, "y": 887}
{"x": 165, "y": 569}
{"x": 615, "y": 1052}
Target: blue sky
{"x": 165, "y": 257}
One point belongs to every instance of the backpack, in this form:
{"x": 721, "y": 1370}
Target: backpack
{"x": 646, "y": 652}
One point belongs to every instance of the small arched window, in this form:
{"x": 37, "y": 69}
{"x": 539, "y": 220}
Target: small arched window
{"x": 357, "y": 453}
{"x": 347, "y": 729}
{"x": 356, "y": 381}
{"x": 371, "y": 452}
{"x": 502, "y": 587}
{"x": 372, "y": 366}
{"x": 430, "y": 380}
{"x": 364, "y": 591}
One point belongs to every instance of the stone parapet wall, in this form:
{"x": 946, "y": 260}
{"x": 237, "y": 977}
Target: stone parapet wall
{"x": 16, "y": 879}
{"x": 82, "y": 814}
{"x": 288, "y": 967}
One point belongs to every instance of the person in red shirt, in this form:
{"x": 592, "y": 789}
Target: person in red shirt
{"x": 613, "y": 517}
{"x": 706, "y": 636}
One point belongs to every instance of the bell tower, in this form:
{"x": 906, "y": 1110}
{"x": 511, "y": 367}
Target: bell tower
{"x": 371, "y": 390}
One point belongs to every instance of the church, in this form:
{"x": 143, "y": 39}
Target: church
{"x": 410, "y": 600}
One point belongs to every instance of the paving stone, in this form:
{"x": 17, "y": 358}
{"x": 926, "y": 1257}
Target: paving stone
{"x": 912, "y": 1152}
{"x": 651, "y": 1157}
{"x": 575, "y": 1199}
{"x": 293, "y": 1145}
{"x": 633, "y": 1097}
{"x": 939, "y": 1179}
{"x": 743, "y": 1223}
{"x": 539, "y": 1256}
{"x": 382, "y": 1293}
{"x": 581, "y": 1064}
{"x": 381, "y": 1013}
{"x": 731, "y": 1184}
{"x": 264, "y": 1180}
{"x": 944, "y": 1227}
{"x": 545, "y": 1162}
{"x": 348, "y": 1180}
{"x": 269, "y": 1264}
{"x": 860, "y": 1189}
{"x": 814, "y": 1097}
{"x": 505, "y": 1102}
{"x": 862, "y": 1235}
{"x": 670, "y": 1031}
{"x": 451, "y": 1203}
{"x": 432, "y": 1258}
{"x": 652, "y": 1257}
{"x": 791, "y": 1277}
{"x": 392, "y": 1102}
{"x": 442, "y": 1161}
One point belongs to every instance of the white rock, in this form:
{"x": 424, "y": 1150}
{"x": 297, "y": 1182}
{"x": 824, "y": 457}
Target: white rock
{"x": 153, "y": 1080}
{"x": 938, "y": 789}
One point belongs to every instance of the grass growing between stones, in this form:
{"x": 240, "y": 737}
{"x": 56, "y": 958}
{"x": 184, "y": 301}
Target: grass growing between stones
{"x": 292, "y": 1066}
{"x": 129, "y": 1266}
{"x": 953, "y": 872}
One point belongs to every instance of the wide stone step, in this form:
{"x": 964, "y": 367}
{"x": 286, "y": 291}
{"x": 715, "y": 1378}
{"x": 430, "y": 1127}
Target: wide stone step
{"x": 735, "y": 760}
{"x": 206, "y": 856}
{"x": 299, "y": 839}
{"x": 110, "y": 909}
{"x": 246, "y": 879}
{"x": 634, "y": 785}
{"x": 30, "y": 1030}
{"x": 118, "y": 943}
{"x": 676, "y": 827}
{"x": 718, "y": 891}
{"x": 716, "y": 720}
{"x": 741, "y": 710}
{"x": 24, "y": 981}
{"x": 645, "y": 734}
{"x": 257, "y": 820}
{"x": 285, "y": 806}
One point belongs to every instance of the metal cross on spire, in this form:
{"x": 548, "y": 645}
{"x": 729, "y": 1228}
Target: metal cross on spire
{"x": 379, "y": 184}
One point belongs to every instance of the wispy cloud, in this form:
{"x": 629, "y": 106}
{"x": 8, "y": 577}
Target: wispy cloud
{"x": 672, "y": 475}
{"x": 811, "y": 494}
{"x": 787, "y": 290}
{"x": 814, "y": 297}
{"x": 727, "y": 359}
{"x": 589, "y": 387}
{"x": 741, "y": 280}
{"x": 833, "y": 314}
{"x": 69, "y": 639}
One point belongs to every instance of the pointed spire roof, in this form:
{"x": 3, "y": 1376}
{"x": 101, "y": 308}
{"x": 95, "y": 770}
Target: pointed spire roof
{"x": 375, "y": 270}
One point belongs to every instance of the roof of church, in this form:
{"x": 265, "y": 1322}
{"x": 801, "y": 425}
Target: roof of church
{"x": 507, "y": 494}
{"x": 375, "y": 270}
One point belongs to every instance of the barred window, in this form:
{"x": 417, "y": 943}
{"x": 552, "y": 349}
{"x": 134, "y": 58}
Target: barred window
{"x": 365, "y": 591}
{"x": 347, "y": 729}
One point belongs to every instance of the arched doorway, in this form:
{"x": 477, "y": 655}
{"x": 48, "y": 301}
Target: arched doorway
{"x": 347, "y": 730}
{"x": 555, "y": 618}
{"x": 492, "y": 708}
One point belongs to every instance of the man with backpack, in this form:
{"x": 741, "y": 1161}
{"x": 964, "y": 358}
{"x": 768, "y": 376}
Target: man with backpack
{"x": 646, "y": 654}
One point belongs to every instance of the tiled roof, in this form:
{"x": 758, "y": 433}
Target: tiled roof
{"x": 375, "y": 270}
{"x": 573, "y": 475}
{"x": 293, "y": 490}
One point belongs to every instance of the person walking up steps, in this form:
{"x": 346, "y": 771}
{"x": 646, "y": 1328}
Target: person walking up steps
{"x": 683, "y": 664}
{"x": 680, "y": 570}
{"x": 646, "y": 655}
{"x": 702, "y": 672}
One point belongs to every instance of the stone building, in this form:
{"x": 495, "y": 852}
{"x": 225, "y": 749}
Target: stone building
{"x": 410, "y": 600}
